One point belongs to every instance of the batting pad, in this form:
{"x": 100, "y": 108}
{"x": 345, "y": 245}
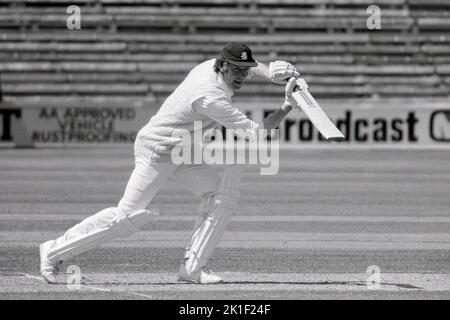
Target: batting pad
{"x": 90, "y": 233}
{"x": 204, "y": 209}
{"x": 208, "y": 234}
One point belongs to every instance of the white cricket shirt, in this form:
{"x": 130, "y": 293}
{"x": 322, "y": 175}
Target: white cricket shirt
{"x": 202, "y": 96}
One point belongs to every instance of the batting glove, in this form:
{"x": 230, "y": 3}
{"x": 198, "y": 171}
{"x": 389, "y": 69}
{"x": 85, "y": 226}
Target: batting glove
{"x": 280, "y": 71}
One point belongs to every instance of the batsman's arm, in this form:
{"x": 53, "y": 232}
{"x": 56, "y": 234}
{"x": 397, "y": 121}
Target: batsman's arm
{"x": 261, "y": 70}
{"x": 277, "y": 71}
{"x": 274, "y": 119}
{"x": 222, "y": 111}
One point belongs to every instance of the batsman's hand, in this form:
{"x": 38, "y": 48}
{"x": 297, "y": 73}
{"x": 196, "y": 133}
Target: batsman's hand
{"x": 300, "y": 84}
{"x": 289, "y": 101}
{"x": 280, "y": 71}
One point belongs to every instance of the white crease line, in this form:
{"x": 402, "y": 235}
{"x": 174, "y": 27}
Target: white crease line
{"x": 95, "y": 288}
{"x": 42, "y": 279}
{"x": 90, "y": 287}
{"x": 32, "y": 277}
{"x": 140, "y": 295}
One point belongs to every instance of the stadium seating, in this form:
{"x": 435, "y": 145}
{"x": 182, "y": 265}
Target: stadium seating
{"x": 141, "y": 49}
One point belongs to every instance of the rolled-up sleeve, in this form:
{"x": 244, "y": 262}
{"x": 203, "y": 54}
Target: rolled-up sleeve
{"x": 222, "y": 111}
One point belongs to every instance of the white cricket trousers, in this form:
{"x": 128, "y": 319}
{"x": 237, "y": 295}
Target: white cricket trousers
{"x": 145, "y": 181}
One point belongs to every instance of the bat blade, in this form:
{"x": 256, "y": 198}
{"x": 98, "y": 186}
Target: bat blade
{"x": 317, "y": 116}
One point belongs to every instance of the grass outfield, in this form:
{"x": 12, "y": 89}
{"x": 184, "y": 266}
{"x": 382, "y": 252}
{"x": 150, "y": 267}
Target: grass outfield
{"x": 309, "y": 232}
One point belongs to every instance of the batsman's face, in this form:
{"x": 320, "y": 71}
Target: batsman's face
{"x": 234, "y": 76}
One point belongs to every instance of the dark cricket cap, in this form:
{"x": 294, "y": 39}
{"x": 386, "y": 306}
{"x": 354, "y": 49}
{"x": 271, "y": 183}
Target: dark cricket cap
{"x": 238, "y": 54}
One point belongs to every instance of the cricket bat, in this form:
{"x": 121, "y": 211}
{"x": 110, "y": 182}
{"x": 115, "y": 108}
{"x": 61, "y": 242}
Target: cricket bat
{"x": 316, "y": 115}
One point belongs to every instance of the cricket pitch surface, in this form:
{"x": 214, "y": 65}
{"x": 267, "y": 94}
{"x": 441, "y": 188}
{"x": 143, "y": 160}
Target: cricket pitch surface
{"x": 316, "y": 230}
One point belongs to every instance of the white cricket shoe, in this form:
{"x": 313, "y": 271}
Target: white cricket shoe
{"x": 204, "y": 276}
{"x": 48, "y": 269}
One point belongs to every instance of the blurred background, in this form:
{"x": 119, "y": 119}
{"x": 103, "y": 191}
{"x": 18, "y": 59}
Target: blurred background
{"x": 141, "y": 49}
{"x": 135, "y": 52}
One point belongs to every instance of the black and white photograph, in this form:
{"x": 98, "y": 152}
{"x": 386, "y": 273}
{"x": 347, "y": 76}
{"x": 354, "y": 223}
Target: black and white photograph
{"x": 248, "y": 151}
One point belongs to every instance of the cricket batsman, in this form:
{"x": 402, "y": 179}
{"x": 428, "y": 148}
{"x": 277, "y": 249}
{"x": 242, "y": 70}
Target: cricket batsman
{"x": 204, "y": 95}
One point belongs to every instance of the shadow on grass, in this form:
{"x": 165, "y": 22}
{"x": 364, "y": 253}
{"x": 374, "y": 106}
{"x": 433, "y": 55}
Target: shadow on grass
{"x": 299, "y": 283}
